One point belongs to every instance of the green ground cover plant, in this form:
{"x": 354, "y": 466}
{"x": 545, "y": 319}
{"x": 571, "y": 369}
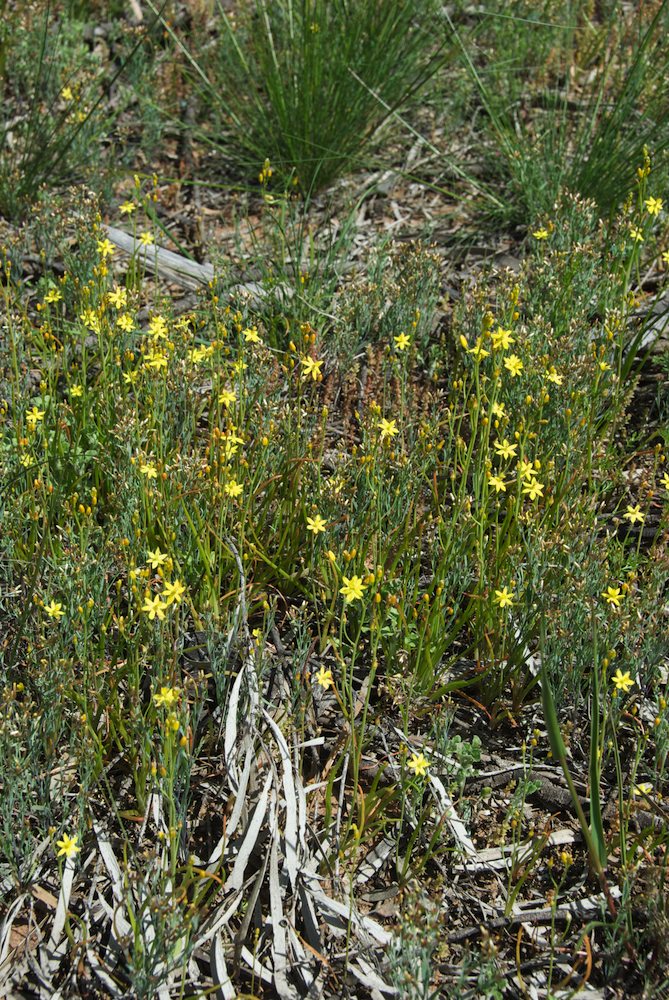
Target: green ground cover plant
{"x": 306, "y": 84}
{"x": 329, "y": 583}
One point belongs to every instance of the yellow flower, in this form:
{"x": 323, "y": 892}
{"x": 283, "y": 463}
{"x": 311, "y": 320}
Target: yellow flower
{"x": 90, "y": 319}
{"x": 478, "y": 350}
{"x": 311, "y": 367}
{"x": 146, "y": 239}
{"x": 53, "y": 295}
{"x": 353, "y": 589}
{"x": 125, "y": 323}
{"x": 130, "y": 377}
{"x": 604, "y": 366}
{"x": 68, "y": 846}
{"x": 665, "y": 256}
{"x": 233, "y": 489}
{"x": 552, "y": 376}
{"x": 533, "y": 489}
{"x": 505, "y": 449}
{"x": 419, "y": 764}
{"x": 197, "y": 354}
{"x": 155, "y": 359}
{"x": 105, "y": 248}
{"x": 502, "y": 339}
{"x": 613, "y": 595}
{"x": 525, "y": 470}
{"x": 66, "y": 94}
{"x": 653, "y": 205}
{"x": 127, "y": 207}
{"x": 149, "y": 470}
{"x": 316, "y": 524}
{"x": 324, "y": 678}
{"x": 388, "y": 428}
{"x": 54, "y": 609}
{"x": 497, "y": 484}
{"x": 498, "y": 410}
{"x": 166, "y": 697}
{"x": 402, "y": 341}
{"x": 636, "y": 234}
{"x": 503, "y": 598}
{"x": 154, "y": 607}
{"x": 156, "y": 558}
{"x": 513, "y": 364}
{"x": 118, "y": 297}
{"x": 633, "y": 514}
{"x": 665, "y": 480}
{"x": 622, "y": 681}
{"x": 540, "y": 234}
{"x": 173, "y": 592}
{"x": 226, "y": 397}
{"x": 33, "y": 417}
{"x": 158, "y": 328}
{"x": 251, "y": 335}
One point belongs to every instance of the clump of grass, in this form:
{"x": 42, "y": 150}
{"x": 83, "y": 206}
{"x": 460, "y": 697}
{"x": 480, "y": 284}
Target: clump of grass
{"x": 55, "y": 114}
{"x": 304, "y": 85}
{"x": 571, "y": 97}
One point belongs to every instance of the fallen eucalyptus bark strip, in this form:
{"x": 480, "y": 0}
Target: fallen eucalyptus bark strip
{"x": 583, "y": 908}
{"x": 164, "y": 263}
{"x": 501, "y": 858}
{"x": 180, "y": 270}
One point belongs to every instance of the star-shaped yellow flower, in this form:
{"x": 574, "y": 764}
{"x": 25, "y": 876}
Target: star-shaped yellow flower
{"x": 402, "y": 341}
{"x": 105, "y": 248}
{"x": 419, "y": 764}
{"x": 324, "y": 678}
{"x": 514, "y": 365}
{"x": 353, "y": 589}
{"x": 622, "y": 681}
{"x": 634, "y": 514}
{"x": 154, "y": 607}
{"x": 311, "y": 367}
{"x": 502, "y": 338}
{"x": 505, "y": 449}
{"x": 226, "y": 398}
{"x": 166, "y": 697}
{"x": 533, "y": 489}
{"x": 388, "y": 429}
{"x": 613, "y": 595}
{"x": 497, "y": 484}
{"x": 68, "y": 846}
{"x": 173, "y": 592}
{"x": 315, "y": 524}
{"x": 504, "y": 598}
